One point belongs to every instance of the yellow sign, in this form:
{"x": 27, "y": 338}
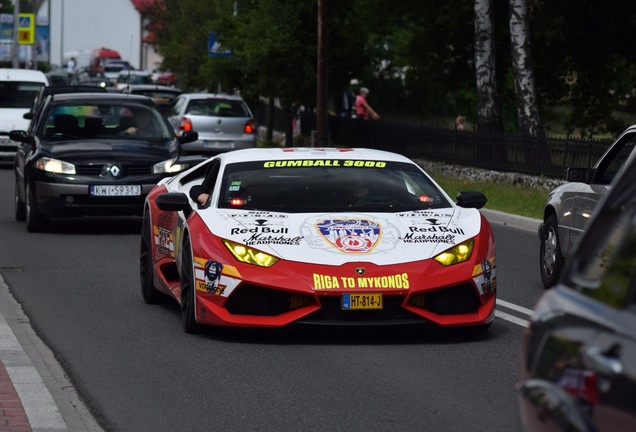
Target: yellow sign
{"x": 26, "y": 29}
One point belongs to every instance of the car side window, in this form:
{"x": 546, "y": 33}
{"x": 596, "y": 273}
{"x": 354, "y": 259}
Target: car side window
{"x": 613, "y": 162}
{"x": 607, "y": 271}
{"x": 176, "y": 107}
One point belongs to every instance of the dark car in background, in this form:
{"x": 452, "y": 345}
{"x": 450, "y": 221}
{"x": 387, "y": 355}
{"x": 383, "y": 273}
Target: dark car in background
{"x": 578, "y": 359}
{"x": 86, "y": 154}
{"x": 223, "y": 122}
{"x": 570, "y": 206}
{"x": 163, "y": 96}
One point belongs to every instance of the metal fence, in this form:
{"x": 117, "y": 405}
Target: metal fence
{"x": 548, "y": 157}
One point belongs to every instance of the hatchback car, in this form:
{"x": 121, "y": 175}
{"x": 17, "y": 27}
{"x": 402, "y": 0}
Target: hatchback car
{"x": 570, "y": 206}
{"x": 128, "y": 77}
{"x": 578, "y": 359}
{"x": 223, "y": 122}
{"x": 90, "y": 154}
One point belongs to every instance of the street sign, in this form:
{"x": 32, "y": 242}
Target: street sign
{"x": 215, "y": 49}
{"x": 26, "y": 29}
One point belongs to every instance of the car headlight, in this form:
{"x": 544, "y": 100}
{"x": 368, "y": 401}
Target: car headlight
{"x": 250, "y": 256}
{"x": 54, "y": 166}
{"x": 168, "y": 166}
{"x": 456, "y": 254}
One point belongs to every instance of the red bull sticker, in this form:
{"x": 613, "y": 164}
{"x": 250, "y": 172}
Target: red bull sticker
{"x": 350, "y": 235}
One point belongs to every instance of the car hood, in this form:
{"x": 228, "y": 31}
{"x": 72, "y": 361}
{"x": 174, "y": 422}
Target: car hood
{"x": 111, "y": 149}
{"x": 335, "y": 239}
{"x": 11, "y": 119}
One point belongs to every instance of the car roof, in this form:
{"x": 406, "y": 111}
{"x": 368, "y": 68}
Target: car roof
{"x": 71, "y": 89}
{"x": 101, "y": 97}
{"x": 23, "y": 75}
{"x": 134, "y": 87}
{"x": 296, "y": 153}
{"x": 211, "y": 96}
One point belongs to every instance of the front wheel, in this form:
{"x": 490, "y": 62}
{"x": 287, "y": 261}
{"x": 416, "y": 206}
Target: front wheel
{"x": 146, "y": 272}
{"x": 35, "y": 222}
{"x": 19, "y": 205}
{"x": 550, "y": 257}
{"x": 188, "y": 303}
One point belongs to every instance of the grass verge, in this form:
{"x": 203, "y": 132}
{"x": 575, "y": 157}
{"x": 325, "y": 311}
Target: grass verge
{"x": 508, "y": 198}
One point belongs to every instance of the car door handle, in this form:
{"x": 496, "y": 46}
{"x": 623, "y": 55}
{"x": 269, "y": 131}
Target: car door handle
{"x": 602, "y": 363}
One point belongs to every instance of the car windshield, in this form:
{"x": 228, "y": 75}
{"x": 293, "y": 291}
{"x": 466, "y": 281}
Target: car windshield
{"x": 18, "y": 94}
{"x": 106, "y": 120}
{"x": 134, "y": 79}
{"x": 298, "y": 186}
{"x": 217, "y": 108}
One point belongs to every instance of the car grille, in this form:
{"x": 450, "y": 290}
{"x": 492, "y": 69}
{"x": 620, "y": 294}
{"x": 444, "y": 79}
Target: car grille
{"x": 255, "y": 300}
{"x": 127, "y": 170}
{"x": 458, "y": 299}
{"x": 391, "y": 311}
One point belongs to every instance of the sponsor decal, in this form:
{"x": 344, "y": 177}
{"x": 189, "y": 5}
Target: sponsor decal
{"x": 324, "y": 163}
{"x": 235, "y": 186}
{"x": 394, "y": 281}
{"x": 164, "y": 240}
{"x": 214, "y": 278}
{"x": 440, "y": 229}
{"x": 259, "y": 230}
{"x": 350, "y": 235}
{"x": 485, "y": 276}
{"x": 267, "y": 239}
{"x": 422, "y": 214}
{"x": 258, "y": 214}
{"x": 429, "y": 238}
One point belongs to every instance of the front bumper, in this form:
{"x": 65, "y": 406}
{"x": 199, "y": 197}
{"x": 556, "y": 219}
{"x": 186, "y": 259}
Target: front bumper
{"x": 8, "y": 148}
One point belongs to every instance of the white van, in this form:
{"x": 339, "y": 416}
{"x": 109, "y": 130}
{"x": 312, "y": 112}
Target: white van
{"x": 18, "y": 88}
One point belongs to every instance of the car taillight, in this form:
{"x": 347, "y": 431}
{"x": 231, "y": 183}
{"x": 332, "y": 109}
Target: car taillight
{"x": 185, "y": 124}
{"x": 249, "y": 127}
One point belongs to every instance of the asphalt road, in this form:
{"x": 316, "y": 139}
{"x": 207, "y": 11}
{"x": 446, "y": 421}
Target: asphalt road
{"x": 137, "y": 370}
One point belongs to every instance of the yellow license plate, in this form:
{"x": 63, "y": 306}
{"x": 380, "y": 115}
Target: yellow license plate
{"x": 361, "y": 301}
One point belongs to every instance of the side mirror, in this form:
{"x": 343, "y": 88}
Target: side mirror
{"x": 28, "y": 115}
{"x": 579, "y": 175}
{"x": 471, "y": 199}
{"x": 174, "y": 201}
{"x": 188, "y": 136}
{"x": 21, "y": 136}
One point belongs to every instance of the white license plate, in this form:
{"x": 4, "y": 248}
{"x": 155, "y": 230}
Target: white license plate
{"x": 216, "y": 144}
{"x": 115, "y": 190}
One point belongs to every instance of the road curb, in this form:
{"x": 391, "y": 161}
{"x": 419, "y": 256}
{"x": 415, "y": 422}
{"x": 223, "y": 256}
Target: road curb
{"x": 49, "y": 398}
{"x": 521, "y": 222}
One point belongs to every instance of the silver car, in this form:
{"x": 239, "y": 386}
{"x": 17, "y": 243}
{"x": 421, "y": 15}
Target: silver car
{"x": 570, "y": 206}
{"x": 223, "y": 122}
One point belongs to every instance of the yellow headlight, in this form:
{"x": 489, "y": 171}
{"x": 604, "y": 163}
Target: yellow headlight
{"x": 456, "y": 254}
{"x": 250, "y": 256}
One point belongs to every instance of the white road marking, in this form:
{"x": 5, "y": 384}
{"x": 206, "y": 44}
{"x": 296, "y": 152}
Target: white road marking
{"x": 514, "y": 307}
{"x": 513, "y": 319}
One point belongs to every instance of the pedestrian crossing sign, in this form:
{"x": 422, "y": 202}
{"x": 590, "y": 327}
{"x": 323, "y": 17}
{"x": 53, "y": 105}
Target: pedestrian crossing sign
{"x": 26, "y": 29}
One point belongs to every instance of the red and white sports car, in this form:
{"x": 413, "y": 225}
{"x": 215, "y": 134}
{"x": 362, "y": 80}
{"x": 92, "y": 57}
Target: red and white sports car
{"x": 317, "y": 235}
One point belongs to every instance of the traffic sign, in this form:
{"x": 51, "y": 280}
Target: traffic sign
{"x": 26, "y": 29}
{"x": 215, "y": 49}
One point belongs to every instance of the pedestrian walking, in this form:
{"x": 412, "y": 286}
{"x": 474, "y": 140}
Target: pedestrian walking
{"x": 459, "y": 123}
{"x": 363, "y": 109}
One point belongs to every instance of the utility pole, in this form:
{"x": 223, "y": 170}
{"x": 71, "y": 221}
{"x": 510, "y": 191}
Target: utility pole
{"x": 15, "y": 48}
{"x": 322, "y": 127}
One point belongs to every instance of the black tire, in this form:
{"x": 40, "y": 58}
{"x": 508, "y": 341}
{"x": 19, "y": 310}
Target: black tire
{"x": 188, "y": 319}
{"x": 35, "y": 222}
{"x": 146, "y": 269}
{"x": 550, "y": 257}
{"x": 20, "y": 213}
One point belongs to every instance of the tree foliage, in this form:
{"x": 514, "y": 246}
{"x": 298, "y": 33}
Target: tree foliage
{"x": 417, "y": 56}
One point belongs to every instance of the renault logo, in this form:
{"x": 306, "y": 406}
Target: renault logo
{"x": 360, "y": 270}
{"x": 114, "y": 170}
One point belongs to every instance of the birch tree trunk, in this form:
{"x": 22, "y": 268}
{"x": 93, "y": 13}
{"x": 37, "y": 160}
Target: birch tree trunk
{"x": 488, "y": 103}
{"x": 525, "y": 90}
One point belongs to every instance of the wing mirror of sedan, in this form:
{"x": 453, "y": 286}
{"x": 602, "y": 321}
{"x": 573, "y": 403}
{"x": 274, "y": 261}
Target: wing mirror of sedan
{"x": 174, "y": 201}
{"x": 28, "y": 115}
{"x": 188, "y": 136}
{"x": 579, "y": 175}
{"x": 21, "y": 136}
{"x": 471, "y": 199}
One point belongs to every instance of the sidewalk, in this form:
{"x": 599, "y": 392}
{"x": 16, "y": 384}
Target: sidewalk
{"x": 35, "y": 394}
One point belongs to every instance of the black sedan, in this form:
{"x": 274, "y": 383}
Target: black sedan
{"x": 92, "y": 154}
{"x": 578, "y": 361}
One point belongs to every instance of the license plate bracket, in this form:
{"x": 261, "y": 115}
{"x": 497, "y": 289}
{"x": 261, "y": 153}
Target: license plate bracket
{"x": 114, "y": 190}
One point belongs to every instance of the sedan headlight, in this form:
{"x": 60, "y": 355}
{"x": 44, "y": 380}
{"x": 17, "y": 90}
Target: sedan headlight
{"x": 250, "y": 256}
{"x": 456, "y": 254}
{"x": 168, "y": 166}
{"x": 54, "y": 166}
